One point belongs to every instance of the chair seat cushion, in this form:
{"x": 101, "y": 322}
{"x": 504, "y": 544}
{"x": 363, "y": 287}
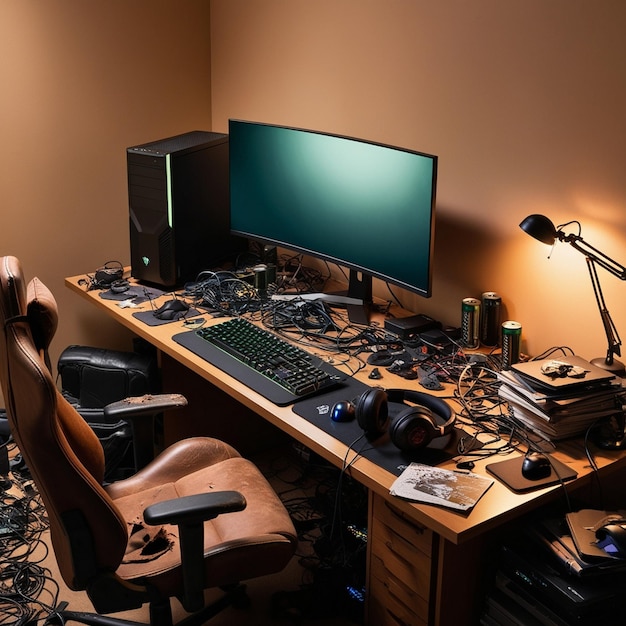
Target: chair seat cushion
{"x": 261, "y": 536}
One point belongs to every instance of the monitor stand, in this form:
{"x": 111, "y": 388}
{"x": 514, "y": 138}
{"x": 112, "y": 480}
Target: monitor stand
{"x": 360, "y": 291}
{"x": 357, "y": 299}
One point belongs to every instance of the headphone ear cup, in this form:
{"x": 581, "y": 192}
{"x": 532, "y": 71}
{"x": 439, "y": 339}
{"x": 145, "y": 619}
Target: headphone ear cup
{"x": 372, "y": 412}
{"x": 413, "y": 428}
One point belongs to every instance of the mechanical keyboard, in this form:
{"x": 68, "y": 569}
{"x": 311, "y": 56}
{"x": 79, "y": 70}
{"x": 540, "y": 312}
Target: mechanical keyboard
{"x": 266, "y": 363}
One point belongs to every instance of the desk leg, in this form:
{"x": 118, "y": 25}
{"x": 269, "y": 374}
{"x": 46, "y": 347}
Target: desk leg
{"x": 462, "y": 572}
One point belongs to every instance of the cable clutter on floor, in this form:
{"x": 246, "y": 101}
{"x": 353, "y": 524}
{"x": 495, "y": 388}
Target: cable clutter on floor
{"x": 27, "y": 591}
{"x": 329, "y": 511}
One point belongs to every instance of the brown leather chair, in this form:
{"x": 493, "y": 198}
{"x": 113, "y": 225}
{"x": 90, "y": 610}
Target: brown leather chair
{"x": 198, "y": 516}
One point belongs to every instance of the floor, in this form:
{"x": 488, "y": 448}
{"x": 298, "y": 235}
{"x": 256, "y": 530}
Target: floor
{"x": 314, "y": 590}
{"x": 262, "y": 611}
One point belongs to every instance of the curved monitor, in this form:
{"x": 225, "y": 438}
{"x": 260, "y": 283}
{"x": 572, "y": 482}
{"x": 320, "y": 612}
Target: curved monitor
{"x": 363, "y": 205}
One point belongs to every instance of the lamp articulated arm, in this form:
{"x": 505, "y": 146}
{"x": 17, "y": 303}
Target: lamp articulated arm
{"x": 595, "y": 257}
{"x": 604, "y": 261}
{"x": 612, "y": 336}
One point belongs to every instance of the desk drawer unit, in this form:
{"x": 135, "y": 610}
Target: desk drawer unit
{"x": 400, "y": 568}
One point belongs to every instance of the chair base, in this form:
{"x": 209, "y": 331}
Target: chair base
{"x": 160, "y": 615}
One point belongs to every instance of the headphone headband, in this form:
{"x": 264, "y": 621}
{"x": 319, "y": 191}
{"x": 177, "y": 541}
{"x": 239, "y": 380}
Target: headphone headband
{"x": 438, "y": 406}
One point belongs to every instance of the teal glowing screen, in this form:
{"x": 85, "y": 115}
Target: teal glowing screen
{"x": 366, "y": 206}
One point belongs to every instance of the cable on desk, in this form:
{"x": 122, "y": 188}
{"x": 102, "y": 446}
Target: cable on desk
{"x": 317, "y": 325}
{"x": 564, "y": 350}
{"x": 305, "y": 316}
{"x": 477, "y": 392}
{"x": 311, "y": 325}
{"x": 494, "y": 430}
{"x": 294, "y": 274}
{"x": 223, "y": 292}
{"x": 487, "y": 415}
{"x": 592, "y": 462}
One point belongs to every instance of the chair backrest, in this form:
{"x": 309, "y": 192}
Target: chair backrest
{"x": 63, "y": 454}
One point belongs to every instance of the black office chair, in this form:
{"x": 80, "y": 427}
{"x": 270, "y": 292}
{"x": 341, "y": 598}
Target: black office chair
{"x": 198, "y": 516}
{"x": 92, "y": 380}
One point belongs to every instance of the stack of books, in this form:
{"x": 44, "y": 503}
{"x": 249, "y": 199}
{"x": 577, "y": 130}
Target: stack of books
{"x": 560, "y": 398}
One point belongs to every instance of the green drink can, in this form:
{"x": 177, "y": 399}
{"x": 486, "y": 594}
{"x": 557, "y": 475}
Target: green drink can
{"x": 470, "y": 322}
{"x": 511, "y": 342}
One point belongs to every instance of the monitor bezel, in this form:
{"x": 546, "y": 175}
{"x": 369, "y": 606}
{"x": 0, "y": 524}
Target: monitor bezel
{"x": 360, "y": 286}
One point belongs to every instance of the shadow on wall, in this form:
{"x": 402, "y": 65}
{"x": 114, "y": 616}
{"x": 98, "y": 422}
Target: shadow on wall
{"x": 466, "y": 263}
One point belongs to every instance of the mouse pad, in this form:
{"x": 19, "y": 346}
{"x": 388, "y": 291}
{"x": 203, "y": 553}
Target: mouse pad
{"x": 148, "y": 317}
{"x": 510, "y": 473}
{"x": 135, "y": 292}
{"x": 382, "y": 451}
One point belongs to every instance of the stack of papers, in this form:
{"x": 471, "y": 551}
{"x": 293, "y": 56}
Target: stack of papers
{"x": 450, "y": 488}
{"x": 560, "y": 406}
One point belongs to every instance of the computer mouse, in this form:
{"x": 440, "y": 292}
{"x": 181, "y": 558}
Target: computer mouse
{"x": 171, "y": 310}
{"x": 342, "y": 411}
{"x": 536, "y": 466}
{"x": 612, "y": 538}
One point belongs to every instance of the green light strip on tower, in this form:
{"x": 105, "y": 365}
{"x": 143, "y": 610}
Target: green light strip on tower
{"x": 168, "y": 179}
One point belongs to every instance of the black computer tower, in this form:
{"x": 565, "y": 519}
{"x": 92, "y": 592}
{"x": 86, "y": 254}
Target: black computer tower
{"x": 178, "y": 190}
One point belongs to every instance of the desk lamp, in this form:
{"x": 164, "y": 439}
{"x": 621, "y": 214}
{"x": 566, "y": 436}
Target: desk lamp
{"x": 541, "y": 228}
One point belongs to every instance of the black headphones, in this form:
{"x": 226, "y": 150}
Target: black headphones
{"x": 414, "y": 427}
{"x": 111, "y": 272}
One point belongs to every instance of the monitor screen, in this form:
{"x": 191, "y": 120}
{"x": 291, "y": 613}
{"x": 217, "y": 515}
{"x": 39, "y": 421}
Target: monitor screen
{"x": 359, "y": 204}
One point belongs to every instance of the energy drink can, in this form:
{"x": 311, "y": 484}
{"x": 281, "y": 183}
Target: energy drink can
{"x": 470, "y": 320}
{"x": 490, "y": 318}
{"x": 260, "y": 276}
{"x": 511, "y": 342}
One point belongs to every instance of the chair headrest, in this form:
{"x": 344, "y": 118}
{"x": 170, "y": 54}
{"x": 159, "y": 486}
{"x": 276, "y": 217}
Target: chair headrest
{"x": 42, "y": 313}
{"x": 13, "y": 290}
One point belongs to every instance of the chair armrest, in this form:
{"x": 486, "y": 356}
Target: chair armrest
{"x": 139, "y": 412}
{"x": 194, "y": 509}
{"x": 142, "y": 405}
{"x": 189, "y": 513}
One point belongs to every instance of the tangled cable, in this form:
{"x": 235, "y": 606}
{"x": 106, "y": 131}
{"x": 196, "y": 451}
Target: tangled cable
{"x": 27, "y": 591}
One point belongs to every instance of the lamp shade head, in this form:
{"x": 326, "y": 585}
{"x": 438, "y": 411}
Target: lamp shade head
{"x": 539, "y": 227}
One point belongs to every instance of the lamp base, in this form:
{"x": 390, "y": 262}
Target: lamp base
{"x": 609, "y": 433}
{"x": 617, "y": 367}
{"x": 611, "y": 444}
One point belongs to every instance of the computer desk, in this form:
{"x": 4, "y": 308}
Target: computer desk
{"x": 425, "y": 564}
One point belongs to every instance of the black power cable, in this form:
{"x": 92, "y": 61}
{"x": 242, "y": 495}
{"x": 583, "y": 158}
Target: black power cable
{"x": 28, "y": 593}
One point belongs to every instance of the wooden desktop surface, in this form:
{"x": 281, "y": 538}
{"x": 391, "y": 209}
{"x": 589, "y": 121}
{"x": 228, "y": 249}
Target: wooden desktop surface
{"x": 498, "y": 506}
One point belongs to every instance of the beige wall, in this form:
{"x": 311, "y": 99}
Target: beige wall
{"x": 523, "y": 101}
{"x": 81, "y": 80}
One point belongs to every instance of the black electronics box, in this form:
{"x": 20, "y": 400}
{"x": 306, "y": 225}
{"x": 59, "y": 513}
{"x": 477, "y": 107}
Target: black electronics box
{"x": 584, "y": 601}
{"x": 404, "y": 327}
{"x": 179, "y": 205}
